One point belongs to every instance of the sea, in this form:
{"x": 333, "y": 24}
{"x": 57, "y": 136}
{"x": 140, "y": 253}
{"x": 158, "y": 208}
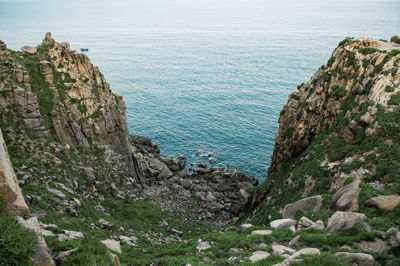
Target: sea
{"x": 203, "y": 77}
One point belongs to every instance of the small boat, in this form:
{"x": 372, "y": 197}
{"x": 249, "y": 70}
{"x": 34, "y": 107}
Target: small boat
{"x": 84, "y": 49}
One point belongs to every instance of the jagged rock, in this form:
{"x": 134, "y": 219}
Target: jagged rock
{"x": 384, "y": 203}
{"x": 57, "y": 192}
{"x": 282, "y": 223}
{"x": 304, "y": 205}
{"x": 114, "y": 259}
{"x": 392, "y": 231}
{"x": 63, "y": 256}
{"x": 280, "y": 250}
{"x": 318, "y": 225}
{"x": 304, "y": 222}
{"x": 362, "y": 259}
{"x": 395, "y": 38}
{"x": 244, "y": 227}
{"x": 112, "y": 245}
{"x": 165, "y": 174}
{"x": 203, "y": 245}
{"x": 29, "y": 49}
{"x": 41, "y": 256}
{"x": 3, "y": 46}
{"x": 258, "y": 255}
{"x": 346, "y": 198}
{"x": 366, "y": 119}
{"x": 295, "y": 241}
{"x": 261, "y": 232}
{"x": 186, "y": 183}
{"x": 344, "y": 220}
{"x": 376, "y": 246}
{"x": 131, "y": 241}
{"x": 13, "y": 201}
{"x": 304, "y": 251}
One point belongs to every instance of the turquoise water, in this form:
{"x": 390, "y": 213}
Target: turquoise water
{"x": 208, "y": 76}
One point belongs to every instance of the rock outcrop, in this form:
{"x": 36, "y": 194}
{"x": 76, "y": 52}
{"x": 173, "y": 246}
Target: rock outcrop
{"x": 12, "y": 200}
{"x": 69, "y": 99}
{"x": 340, "y": 126}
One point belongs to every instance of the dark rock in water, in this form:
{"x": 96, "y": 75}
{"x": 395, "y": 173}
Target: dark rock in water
{"x": 144, "y": 144}
{"x": 211, "y": 154}
{"x": 198, "y": 153}
{"x": 212, "y": 160}
{"x": 202, "y": 165}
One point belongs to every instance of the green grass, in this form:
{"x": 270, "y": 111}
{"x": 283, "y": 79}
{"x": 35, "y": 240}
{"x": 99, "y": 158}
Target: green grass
{"x": 16, "y": 243}
{"x": 368, "y": 50}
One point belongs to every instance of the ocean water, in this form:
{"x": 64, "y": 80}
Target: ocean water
{"x": 203, "y": 75}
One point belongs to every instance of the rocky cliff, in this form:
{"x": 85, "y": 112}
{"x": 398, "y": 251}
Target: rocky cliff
{"x": 339, "y": 133}
{"x": 59, "y": 93}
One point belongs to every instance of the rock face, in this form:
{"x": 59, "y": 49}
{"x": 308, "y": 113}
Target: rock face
{"x": 304, "y": 205}
{"x": 13, "y": 201}
{"x": 384, "y": 203}
{"x": 344, "y": 220}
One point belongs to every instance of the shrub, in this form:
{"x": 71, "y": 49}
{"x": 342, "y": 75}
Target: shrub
{"x": 331, "y": 61}
{"x": 394, "y": 99}
{"x": 389, "y": 89}
{"x": 339, "y": 91}
{"x": 368, "y": 50}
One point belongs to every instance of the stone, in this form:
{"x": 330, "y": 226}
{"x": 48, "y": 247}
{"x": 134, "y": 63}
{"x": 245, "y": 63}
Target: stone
{"x": 210, "y": 197}
{"x": 346, "y": 198}
{"x": 261, "y": 232}
{"x": 202, "y": 165}
{"x": 362, "y": 259}
{"x": 395, "y": 38}
{"x": 73, "y": 234}
{"x": 13, "y": 201}
{"x": 344, "y": 220}
{"x": 305, "y": 251}
{"x": 63, "y": 256}
{"x": 165, "y": 174}
{"x": 41, "y": 256}
{"x": 29, "y": 49}
{"x": 114, "y": 259}
{"x": 295, "y": 241}
{"x": 186, "y": 183}
{"x": 392, "y": 231}
{"x": 244, "y": 227}
{"x": 215, "y": 206}
{"x": 384, "y": 203}
{"x": 304, "y": 222}
{"x": 304, "y": 205}
{"x": 280, "y": 250}
{"x": 57, "y": 192}
{"x": 243, "y": 194}
{"x": 376, "y": 246}
{"x": 319, "y": 225}
{"x": 258, "y": 255}
{"x": 398, "y": 237}
{"x": 282, "y": 223}
{"x": 203, "y": 245}
{"x": 131, "y": 241}
{"x": 112, "y": 245}
{"x": 367, "y": 119}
